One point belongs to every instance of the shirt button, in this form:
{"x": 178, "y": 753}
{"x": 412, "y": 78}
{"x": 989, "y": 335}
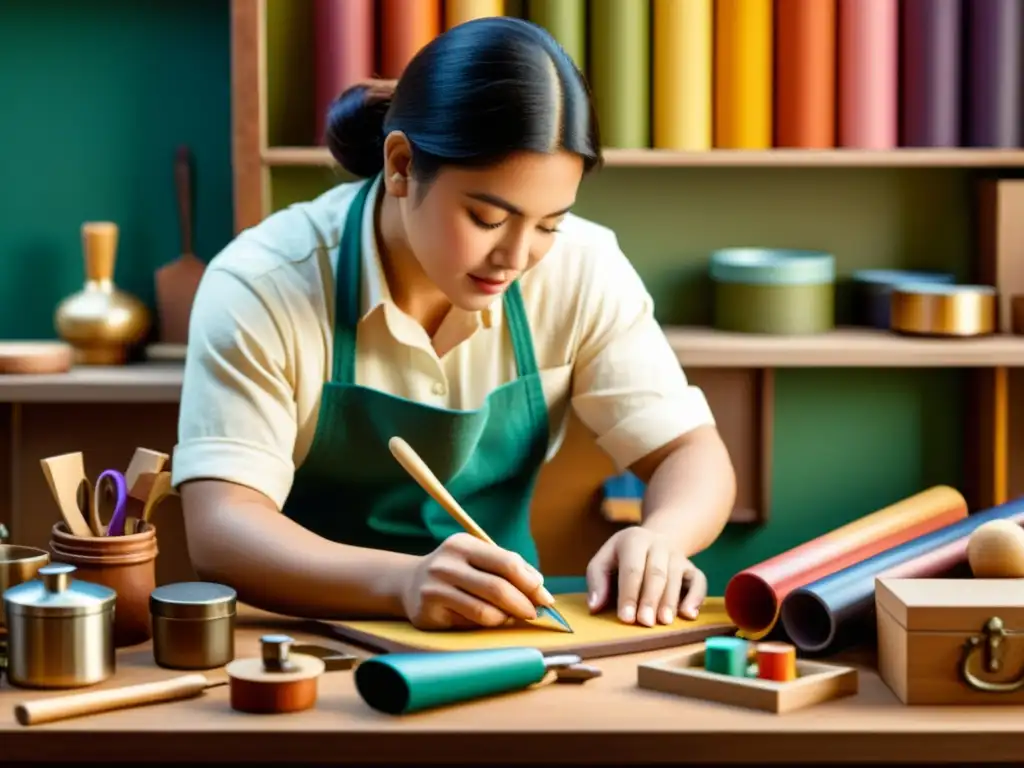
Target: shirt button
{"x": 439, "y": 388}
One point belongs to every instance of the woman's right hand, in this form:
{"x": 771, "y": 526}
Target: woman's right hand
{"x": 466, "y": 583}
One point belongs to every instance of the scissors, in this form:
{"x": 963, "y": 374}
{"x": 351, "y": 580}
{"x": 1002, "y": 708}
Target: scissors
{"x": 110, "y": 482}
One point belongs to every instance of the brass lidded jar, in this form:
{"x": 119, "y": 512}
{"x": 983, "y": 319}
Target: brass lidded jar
{"x": 60, "y": 631}
{"x": 193, "y": 625}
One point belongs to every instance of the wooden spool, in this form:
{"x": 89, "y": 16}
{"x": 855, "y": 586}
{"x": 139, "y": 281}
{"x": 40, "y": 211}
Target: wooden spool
{"x": 277, "y": 682}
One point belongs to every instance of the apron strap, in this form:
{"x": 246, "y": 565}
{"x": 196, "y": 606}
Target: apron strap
{"x": 346, "y": 289}
{"x": 519, "y": 330}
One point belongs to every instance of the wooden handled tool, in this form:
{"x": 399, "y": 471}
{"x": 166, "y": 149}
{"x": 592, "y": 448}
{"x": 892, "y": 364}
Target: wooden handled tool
{"x": 422, "y": 474}
{"x": 65, "y": 474}
{"x": 178, "y": 688}
{"x": 93, "y": 702}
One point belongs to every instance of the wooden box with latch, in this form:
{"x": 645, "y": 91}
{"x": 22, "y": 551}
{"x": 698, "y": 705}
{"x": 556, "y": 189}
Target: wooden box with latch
{"x": 951, "y": 641}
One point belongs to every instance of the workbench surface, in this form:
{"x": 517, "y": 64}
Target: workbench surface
{"x": 606, "y": 720}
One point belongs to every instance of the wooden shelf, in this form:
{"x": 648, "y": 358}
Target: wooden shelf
{"x": 843, "y": 348}
{"x": 697, "y": 347}
{"x": 723, "y": 158}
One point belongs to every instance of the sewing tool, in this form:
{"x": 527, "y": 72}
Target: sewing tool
{"x": 401, "y": 683}
{"x": 110, "y": 482}
{"x": 278, "y": 681}
{"x": 65, "y": 475}
{"x": 421, "y": 473}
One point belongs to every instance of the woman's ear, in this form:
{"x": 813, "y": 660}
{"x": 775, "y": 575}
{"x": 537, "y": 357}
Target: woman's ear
{"x": 397, "y": 164}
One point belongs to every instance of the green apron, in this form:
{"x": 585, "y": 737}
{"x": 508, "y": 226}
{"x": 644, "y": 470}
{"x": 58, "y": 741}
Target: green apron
{"x": 351, "y": 490}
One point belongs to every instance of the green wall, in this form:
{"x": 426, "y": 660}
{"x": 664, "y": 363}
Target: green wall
{"x": 103, "y": 92}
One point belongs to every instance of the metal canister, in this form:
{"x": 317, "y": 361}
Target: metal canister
{"x": 60, "y": 631}
{"x": 193, "y": 625}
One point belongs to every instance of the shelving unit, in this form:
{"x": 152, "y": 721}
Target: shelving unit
{"x": 724, "y": 158}
{"x": 737, "y": 371}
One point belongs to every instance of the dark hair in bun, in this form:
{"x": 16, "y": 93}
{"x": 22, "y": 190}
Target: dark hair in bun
{"x": 470, "y": 97}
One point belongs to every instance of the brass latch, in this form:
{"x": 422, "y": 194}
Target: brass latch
{"x": 990, "y": 644}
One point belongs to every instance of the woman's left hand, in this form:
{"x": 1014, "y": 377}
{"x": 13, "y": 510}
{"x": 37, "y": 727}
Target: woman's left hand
{"x": 655, "y": 582}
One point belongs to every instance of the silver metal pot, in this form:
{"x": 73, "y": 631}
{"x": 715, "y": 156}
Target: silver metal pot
{"x": 60, "y": 631}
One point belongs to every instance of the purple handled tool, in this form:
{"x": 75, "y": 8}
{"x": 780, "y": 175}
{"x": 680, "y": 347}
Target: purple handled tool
{"x": 109, "y": 481}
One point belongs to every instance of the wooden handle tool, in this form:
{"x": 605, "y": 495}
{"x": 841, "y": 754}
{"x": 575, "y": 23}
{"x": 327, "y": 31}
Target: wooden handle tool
{"x": 65, "y": 474}
{"x": 422, "y": 474}
{"x": 93, "y": 702}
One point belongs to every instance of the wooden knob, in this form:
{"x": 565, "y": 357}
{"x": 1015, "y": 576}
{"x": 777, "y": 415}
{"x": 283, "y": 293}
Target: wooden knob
{"x": 277, "y": 681}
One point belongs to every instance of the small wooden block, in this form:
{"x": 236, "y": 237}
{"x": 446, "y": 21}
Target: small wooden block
{"x": 726, "y": 655}
{"x": 776, "y": 661}
{"x": 684, "y": 675}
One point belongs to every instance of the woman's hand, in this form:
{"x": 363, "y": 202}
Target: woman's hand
{"x": 467, "y": 583}
{"x": 654, "y": 581}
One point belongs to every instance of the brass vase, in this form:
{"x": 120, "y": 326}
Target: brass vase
{"x": 100, "y": 322}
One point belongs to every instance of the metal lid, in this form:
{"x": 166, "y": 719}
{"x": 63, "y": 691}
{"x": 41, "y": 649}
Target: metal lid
{"x": 54, "y": 594}
{"x": 193, "y": 600}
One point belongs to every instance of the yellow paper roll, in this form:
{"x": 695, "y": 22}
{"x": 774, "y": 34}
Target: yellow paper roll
{"x": 743, "y": 74}
{"x": 458, "y": 11}
{"x": 683, "y": 59}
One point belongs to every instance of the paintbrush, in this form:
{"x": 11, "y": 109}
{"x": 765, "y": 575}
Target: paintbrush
{"x": 427, "y": 480}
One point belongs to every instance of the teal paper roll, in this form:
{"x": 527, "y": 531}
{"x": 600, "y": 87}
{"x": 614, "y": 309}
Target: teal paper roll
{"x": 401, "y": 683}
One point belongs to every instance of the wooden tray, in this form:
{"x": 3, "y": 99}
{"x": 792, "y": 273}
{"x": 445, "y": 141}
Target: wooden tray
{"x": 684, "y": 675}
{"x": 593, "y": 636}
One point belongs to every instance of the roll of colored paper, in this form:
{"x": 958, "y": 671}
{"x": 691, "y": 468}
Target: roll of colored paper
{"x": 620, "y": 71}
{"x": 868, "y": 73}
{"x": 682, "y": 75}
{"x": 753, "y": 597}
{"x": 566, "y": 20}
{"x": 406, "y": 26}
{"x": 343, "y": 51}
{"x": 931, "y": 73}
{"x": 805, "y": 71}
{"x": 829, "y": 613}
{"x": 994, "y": 73}
{"x": 459, "y": 11}
{"x": 743, "y": 74}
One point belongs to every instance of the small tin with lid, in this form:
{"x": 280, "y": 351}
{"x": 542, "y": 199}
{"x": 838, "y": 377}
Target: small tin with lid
{"x": 60, "y": 630}
{"x": 193, "y": 625}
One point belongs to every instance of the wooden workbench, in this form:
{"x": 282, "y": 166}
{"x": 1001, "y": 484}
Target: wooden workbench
{"x": 605, "y": 721}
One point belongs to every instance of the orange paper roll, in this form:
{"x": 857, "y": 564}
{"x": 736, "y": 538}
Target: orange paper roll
{"x": 406, "y": 26}
{"x": 683, "y": 61}
{"x": 753, "y": 597}
{"x": 776, "y": 662}
{"x": 743, "y": 74}
{"x": 805, "y": 71}
{"x": 459, "y": 11}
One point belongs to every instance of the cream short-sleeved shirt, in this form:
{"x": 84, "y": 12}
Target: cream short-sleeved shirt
{"x": 260, "y": 348}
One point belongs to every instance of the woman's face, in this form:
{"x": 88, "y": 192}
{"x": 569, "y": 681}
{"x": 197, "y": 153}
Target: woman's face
{"x": 474, "y": 231}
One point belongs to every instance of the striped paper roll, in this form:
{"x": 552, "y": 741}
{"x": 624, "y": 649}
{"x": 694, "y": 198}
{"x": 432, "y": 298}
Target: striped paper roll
{"x": 743, "y": 74}
{"x": 458, "y": 11}
{"x": 805, "y": 70}
{"x": 931, "y": 73}
{"x": 682, "y": 77}
{"x": 406, "y": 26}
{"x": 868, "y": 73}
{"x": 343, "y": 51}
{"x": 619, "y": 71}
{"x": 995, "y": 60}
{"x": 566, "y": 20}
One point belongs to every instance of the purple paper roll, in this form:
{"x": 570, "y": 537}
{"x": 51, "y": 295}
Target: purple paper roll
{"x": 931, "y": 73}
{"x": 995, "y": 29}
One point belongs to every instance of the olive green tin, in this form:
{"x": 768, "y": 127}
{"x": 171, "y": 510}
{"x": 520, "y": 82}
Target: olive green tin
{"x": 783, "y": 292}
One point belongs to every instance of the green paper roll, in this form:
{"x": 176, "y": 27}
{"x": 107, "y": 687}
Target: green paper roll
{"x": 566, "y": 20}
{"x": 401, "y": 683}
{"x": 620, "y": 71}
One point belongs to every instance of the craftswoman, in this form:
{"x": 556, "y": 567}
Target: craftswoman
{"x": 450, "y": 299}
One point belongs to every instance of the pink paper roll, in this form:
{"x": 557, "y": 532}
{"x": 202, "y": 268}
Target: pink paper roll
{"x": 868, "y": 73}
{"x": 344, "y": 51}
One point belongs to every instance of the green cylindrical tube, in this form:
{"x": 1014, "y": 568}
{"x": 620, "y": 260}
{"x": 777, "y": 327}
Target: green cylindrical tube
{"x": 400, "y": 683}
{"x": 566, "y": 20}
